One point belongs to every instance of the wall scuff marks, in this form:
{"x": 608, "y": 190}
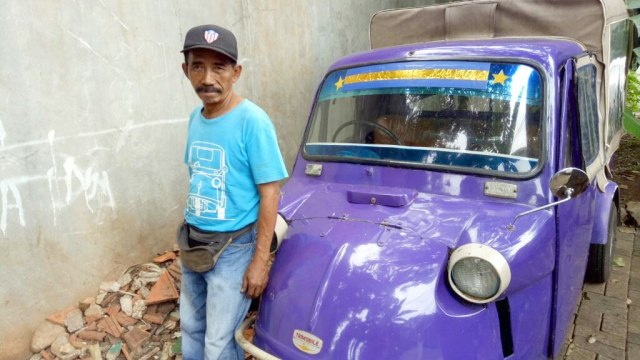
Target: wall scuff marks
{"x": 11, "y": 201}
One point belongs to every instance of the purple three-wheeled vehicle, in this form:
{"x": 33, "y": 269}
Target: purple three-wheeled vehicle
{"x": 452, "y": 191}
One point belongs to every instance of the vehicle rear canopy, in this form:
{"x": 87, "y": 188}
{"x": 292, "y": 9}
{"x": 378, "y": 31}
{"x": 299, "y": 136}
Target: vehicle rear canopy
{"x": 600, "y": 26}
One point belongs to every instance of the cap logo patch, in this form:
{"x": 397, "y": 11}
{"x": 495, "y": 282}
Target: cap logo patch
{"x": 210, "y": 36}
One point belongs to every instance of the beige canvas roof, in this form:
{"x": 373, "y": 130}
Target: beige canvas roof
{"x": 581, "y": 20}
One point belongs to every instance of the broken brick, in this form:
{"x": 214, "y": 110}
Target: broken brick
{"x": 47, "y": 355}
{"x": 125, "y": 320}
{"x": 169, "y": 255}
{"x": 125, "y": 352}
{"x": 111, "y": 326}
{"x": 108, "y": 299}
{"x": 113, "y": 309}
{"x": 154, "y": 318}
{"x": 58, "y": 318}
{"x": 175, "y": 271}
{"x": 91, "y": 335}
{"x": 73, "y": 340}
{"x": 163, "y": 290}
{"x": 135, "y": 338}
{"x": 84, "y": 304}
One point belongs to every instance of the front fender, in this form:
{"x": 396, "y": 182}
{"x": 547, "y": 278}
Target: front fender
{"x": 604, "y": 201}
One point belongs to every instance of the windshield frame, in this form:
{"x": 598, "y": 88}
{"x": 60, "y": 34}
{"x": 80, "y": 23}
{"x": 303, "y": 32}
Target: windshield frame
{"x": 544, "y": 109}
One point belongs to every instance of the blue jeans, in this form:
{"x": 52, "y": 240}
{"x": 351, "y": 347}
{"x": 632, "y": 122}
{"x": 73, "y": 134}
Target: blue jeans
{"x": 212, "y": 306}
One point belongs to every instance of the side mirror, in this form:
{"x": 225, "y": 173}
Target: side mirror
{"x": 566, "y": 184}
{"x": 569, "y": 183}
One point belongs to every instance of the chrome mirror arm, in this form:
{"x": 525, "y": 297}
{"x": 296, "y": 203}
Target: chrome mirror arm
{"x": 568, "y": 197}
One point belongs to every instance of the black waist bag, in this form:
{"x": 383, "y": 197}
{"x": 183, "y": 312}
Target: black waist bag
{"x": 202, "y": 258}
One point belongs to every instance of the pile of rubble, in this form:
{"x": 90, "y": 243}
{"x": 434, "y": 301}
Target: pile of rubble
{"x": 134, "y": 318}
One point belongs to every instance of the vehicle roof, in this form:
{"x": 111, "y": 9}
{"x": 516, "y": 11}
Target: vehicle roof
{"x": 485, "y": 19}
{"x": 546, "y": 52}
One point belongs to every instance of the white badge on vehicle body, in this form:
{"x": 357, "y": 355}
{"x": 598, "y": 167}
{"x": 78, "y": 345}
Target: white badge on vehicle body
{"x": 307, "y": 342}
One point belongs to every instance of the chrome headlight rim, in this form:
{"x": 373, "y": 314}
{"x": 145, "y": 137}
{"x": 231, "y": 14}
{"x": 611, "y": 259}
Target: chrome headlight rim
{"x": 485, "y": 253}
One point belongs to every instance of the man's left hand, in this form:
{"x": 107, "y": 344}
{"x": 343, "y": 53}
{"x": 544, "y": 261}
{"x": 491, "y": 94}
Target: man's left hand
{"x": 255, "y": 278}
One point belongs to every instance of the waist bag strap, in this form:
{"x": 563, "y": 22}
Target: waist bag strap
{"x": 203, "y": 255}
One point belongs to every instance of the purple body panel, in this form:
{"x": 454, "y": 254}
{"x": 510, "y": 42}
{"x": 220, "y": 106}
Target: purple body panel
{"x": 364, "y": 264}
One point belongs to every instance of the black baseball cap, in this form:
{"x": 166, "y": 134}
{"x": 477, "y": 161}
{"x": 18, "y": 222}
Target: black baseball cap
{"x": 212, "y": 37}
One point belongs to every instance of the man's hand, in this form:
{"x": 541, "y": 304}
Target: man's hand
{"x": 255, "y": 278}
{"x": 257, "y": 274}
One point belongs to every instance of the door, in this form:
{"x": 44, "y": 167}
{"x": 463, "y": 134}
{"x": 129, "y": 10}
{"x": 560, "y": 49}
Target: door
{"x": 580, "y": 147}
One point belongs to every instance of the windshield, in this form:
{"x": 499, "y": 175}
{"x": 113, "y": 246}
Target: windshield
{"x": 471, "y": 116}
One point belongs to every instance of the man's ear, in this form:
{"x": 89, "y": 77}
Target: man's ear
{"x": 237, "y": 71}
{"x": 184, "y": 70}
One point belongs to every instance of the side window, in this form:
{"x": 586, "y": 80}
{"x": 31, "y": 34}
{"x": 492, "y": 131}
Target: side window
{"x": 617, "y": 76}
{"x": 588, "y": 112}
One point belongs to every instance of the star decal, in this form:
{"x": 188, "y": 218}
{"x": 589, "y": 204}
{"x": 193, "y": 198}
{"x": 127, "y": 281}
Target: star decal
{"x": 339, "y": 84}
{"x": 499, "y": 78}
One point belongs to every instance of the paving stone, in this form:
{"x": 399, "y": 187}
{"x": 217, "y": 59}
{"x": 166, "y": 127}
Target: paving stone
{"x": 578, "y": 353}
{"x": 594, "y": 288}
{"x": 625, "y": 251}
{"x": 601, "y": 357}
{"x": 634, "y": 296}
{"x": 589, "y": 319}
{"x": 604, "y": 301}
{"x": 614, "y": 325}
{"x": 634, "y": 319}
{"x": 633, "y": 352}
{"x": 601, "y": 337}
{"x": 599, "y": 307}
{"x": 633, "y": 338}
{"x": 626, "y": 230}
{"x": 617, "y": 286}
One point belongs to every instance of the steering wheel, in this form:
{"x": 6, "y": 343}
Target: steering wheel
{"x": 386, "y": 131}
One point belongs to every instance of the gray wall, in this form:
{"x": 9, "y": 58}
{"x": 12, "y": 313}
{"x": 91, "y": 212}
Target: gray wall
{"x": 93, "y": 109}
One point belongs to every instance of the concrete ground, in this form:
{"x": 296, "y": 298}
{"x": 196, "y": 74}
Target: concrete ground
{"x": 607, "y": 321}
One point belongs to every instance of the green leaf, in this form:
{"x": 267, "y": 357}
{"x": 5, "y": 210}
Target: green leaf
{"x": 633, "y": 4}
{"x": 176, "y": 348}
{"x": 618, "y": 261}
{"x": 636, "y": 20}
{"x": 631, "y": 123}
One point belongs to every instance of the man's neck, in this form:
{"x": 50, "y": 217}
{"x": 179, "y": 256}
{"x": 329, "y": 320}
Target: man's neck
{"x": 216, "y": 110}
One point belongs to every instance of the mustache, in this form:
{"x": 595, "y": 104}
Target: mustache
{"x": 208, "y": 89}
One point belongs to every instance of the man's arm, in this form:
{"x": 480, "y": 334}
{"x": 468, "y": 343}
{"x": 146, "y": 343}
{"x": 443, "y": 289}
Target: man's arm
{"x": 257, "y": 274}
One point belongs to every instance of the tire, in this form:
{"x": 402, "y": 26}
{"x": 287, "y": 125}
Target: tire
{"x": 599, "y": 263}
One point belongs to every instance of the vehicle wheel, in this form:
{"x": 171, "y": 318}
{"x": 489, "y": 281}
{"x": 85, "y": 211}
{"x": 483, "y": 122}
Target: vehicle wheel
{"x": 599, "y": 263}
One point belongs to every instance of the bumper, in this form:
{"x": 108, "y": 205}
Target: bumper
{"x": 247, "y": 346}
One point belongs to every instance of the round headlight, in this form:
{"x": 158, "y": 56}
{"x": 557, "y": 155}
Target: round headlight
{"x": 478, "y": 273}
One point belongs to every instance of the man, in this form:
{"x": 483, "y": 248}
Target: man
{"x": 234, "y": 165}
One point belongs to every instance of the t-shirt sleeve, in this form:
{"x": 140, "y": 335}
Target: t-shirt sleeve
{"x": 264, "y": 154}
{"x": 193, "y": 114}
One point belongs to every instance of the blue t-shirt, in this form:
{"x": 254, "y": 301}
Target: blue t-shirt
{"x": 227, "y": 157}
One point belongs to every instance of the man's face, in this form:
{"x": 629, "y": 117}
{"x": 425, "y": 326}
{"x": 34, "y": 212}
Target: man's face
{"x": 212, "y": 75}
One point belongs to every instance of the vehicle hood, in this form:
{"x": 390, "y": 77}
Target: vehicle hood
{"x": 352, "y": 269}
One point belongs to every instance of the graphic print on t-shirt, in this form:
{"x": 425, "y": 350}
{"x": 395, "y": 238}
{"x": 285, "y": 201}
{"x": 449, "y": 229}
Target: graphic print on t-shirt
{"x": 207, "y": 197}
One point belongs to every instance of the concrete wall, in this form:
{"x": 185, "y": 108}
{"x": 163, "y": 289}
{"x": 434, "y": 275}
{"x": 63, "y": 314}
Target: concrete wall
{"x": 93, "y": 109}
